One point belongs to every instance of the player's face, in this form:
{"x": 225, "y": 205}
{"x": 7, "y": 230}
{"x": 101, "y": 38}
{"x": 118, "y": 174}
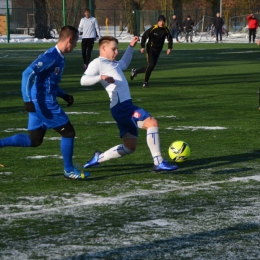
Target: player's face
{"x": 72, "y": 43}
{"x": 161, "y": 23}
{"x": 111, "y": 50}
{"x": 87, "y": 14}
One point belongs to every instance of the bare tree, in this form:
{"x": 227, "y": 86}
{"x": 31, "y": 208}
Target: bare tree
{"x": 41, "y": 18}
{"x": 132, "y": 9}
{"x": 177, "y": 7}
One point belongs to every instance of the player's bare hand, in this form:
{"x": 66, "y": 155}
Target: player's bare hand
{"x": 142, "y": 50}
{"x": 168, "y": 51}
{"x": 108, "y": 79}
{"x": 134, "y": 41}
{"x": 258, "y": 42}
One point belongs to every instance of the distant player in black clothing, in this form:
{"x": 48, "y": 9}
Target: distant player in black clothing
{"x": 156, "y": 36}
{"x": 218, "y": 23}
{"x": 188, "y": 26}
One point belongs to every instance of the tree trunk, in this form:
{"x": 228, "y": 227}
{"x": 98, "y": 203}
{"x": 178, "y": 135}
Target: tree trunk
{"x": 41, "y": 19}
{"x": 177, "y": 8}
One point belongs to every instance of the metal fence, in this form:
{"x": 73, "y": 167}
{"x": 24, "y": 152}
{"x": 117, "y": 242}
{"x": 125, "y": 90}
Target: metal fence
{"x": 120, "y": 21}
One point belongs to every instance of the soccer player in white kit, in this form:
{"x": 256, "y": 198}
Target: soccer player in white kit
{"x": 88, "y": 28}
{"x": 109, "y": 72}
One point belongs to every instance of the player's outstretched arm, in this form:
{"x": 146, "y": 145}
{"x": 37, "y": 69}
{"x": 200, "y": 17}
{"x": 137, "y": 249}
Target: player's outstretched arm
{"x": 127, "y": 57}
{"x": 134, "y": 41}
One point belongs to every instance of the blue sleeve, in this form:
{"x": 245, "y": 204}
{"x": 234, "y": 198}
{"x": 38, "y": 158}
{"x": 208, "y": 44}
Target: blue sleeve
{"x": 27, "y": 82}
{"x": 126, "y": 59}
{"x": 60, "y": 92}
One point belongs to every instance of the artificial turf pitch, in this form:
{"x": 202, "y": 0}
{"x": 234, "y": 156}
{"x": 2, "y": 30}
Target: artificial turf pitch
{"x": 204, "y": 94}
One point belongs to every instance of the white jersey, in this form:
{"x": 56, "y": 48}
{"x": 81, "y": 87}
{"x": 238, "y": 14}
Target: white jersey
{"x": 89, "y": 27}
{"x": 118, "y": 91}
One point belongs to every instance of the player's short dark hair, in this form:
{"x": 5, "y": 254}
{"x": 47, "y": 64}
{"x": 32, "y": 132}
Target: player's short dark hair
{"x": 107, "y": 39}
{"x": 87, "y": 10}
{"x": 161, "y": 18}
{"x": 68, "y": 31}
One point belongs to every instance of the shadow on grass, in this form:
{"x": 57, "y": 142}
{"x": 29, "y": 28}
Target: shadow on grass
{"x": 225, "y": 160}
{"x": 120, "y": 170}
{"x": 189, "y": 167}
{"x": 201, "y": 243}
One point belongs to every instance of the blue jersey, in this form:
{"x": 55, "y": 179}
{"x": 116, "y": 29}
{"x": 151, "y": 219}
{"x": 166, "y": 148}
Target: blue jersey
{"x": 40, "y": 80}
{"x": 40, "y": 85}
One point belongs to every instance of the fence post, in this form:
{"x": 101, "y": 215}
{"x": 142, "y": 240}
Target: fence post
{"x": 7, "y": 22}
{"x": 64, "y": 12}
{"x": 137, "y": 22}
{"x": 90, "y": 5}
{"x": 203, "y": 20}
{"x": 114, "y": 23}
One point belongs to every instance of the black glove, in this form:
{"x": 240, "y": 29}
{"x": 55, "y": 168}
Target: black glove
{"x": 80, "y": 33}
{"x": 29, "y": 106}
{"x": 69, "y": 99}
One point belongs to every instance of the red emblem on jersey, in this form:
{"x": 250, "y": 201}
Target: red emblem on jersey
{"x": 136, "y": 114}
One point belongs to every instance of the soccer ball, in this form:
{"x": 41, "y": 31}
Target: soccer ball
{"x": 179, "y": 151}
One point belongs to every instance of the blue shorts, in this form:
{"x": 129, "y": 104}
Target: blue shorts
{"x": 126, "y": 114}
{"x": 47, "y": 116}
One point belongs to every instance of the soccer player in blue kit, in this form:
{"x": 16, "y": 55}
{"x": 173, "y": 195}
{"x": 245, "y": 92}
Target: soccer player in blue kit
{"x": 39, "y": 90}
{"x": 109, "y": 72}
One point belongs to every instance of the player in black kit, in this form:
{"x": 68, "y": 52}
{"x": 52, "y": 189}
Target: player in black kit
{"x": 156, "y": 36}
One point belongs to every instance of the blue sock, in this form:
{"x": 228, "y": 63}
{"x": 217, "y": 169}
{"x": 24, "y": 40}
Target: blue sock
{"x": 66, "y": 146}
{"x": 19, "y": 140}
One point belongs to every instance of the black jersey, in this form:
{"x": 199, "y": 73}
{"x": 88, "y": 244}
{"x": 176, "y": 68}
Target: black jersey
{"x": 156, "y": 37}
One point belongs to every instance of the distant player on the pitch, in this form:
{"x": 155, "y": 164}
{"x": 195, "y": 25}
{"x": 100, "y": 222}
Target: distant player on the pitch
{"x": 156, "y": 36}
{"x": 39, "y": 90}
{"x": 89, "y": 29}
{"x": 129, "y": 117}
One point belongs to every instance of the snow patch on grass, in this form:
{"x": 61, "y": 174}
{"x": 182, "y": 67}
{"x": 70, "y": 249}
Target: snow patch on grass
{"x": 44, "y": 156}
{"x": 10, "y": 130}
{"x": 195, "y": 128}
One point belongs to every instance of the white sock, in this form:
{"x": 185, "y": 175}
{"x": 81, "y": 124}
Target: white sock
{"x": 114, "y": 152}
{"x": 153, "y": 142}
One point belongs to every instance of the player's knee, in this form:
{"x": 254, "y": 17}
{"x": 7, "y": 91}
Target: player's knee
{"x": 129, "y": 143}
{"x": 36, "y": 141}
{"x": 151, "y": 66}
{"x": 70, "y": 133}
{"x": 150, "y": 122}
{"x": 36, "y": 137}
{"x": 129, "y": 148}
{"x": 66, "y": 131}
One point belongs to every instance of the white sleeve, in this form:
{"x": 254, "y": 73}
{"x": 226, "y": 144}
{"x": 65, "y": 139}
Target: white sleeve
{"x": 92, "y": 74}
{"x": 126, "y": 59}
{"x": 97, "y": 28}
{"x": 80, "y": 26}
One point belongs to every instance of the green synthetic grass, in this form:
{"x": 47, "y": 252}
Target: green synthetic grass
{"x": 208, "y": 209}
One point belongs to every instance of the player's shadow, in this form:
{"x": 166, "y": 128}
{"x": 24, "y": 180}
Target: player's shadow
{"x": 114, "y": 170}
{"x": 188, "y": 167}
{"x": 222, "y": 161}
{"x": 130, "y": 169}
{"x": 174, "y": 247}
